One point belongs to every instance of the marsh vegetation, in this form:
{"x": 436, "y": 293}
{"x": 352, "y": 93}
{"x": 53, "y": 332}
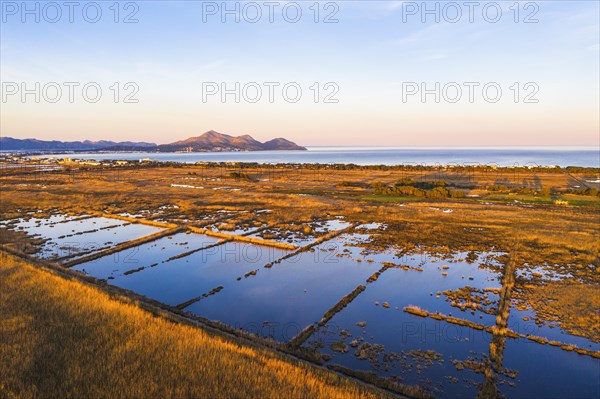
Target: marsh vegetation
{"x": 430, "y": 281}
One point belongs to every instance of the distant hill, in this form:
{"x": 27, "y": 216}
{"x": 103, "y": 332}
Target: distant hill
{"x": 10, "y": 144}
{"x": 281, "y": 144}
{"x": 209, "y": 141}
{"x": 214, "y": 141}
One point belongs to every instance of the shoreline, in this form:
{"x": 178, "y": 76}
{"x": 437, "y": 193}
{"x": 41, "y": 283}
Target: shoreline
{"x": 433, "y": 157}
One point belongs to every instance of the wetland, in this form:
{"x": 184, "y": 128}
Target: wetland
{"x": 426, "y": 281}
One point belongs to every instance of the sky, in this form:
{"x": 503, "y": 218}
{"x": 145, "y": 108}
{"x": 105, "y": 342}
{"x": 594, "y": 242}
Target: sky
{"x": 381, "y": 73}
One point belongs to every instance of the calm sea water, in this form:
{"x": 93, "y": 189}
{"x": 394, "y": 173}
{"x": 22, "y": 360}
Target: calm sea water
{"x": 542, "y": 156}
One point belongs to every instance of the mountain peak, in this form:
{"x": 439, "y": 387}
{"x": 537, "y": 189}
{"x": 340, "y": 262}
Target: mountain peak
{"x": 212, "y": 133}
{"x": 215, "y": 141}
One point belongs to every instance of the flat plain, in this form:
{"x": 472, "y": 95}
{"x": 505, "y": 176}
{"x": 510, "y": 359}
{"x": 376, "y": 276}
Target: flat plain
{"x": 424, "y": 281}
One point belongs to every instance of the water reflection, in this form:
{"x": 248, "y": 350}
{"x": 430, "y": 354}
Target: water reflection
{"x": 493, "y": 365}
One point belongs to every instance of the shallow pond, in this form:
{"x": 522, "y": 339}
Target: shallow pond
{"x": 143, "y": 256}
{"x": 178, "y": 280}
{"x": 282, "y": 300}
{"x": 392, "y": 343}
{"x": 34, "y": 221}
{"x": 302, "y": 234}
{"x": 67, "y": 237}
{"x": 549, "y": 330}
{"x": 237, "y": 229}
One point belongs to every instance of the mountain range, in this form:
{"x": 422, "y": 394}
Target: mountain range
{"x": 209, "y": 141}
{"x": 11, "y": 144}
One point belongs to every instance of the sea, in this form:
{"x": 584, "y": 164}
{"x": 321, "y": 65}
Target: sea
{"x": 493, "y": 156}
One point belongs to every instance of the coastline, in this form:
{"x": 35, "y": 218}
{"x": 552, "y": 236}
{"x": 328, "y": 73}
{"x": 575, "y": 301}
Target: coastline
{"x": 364, "y": 156}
